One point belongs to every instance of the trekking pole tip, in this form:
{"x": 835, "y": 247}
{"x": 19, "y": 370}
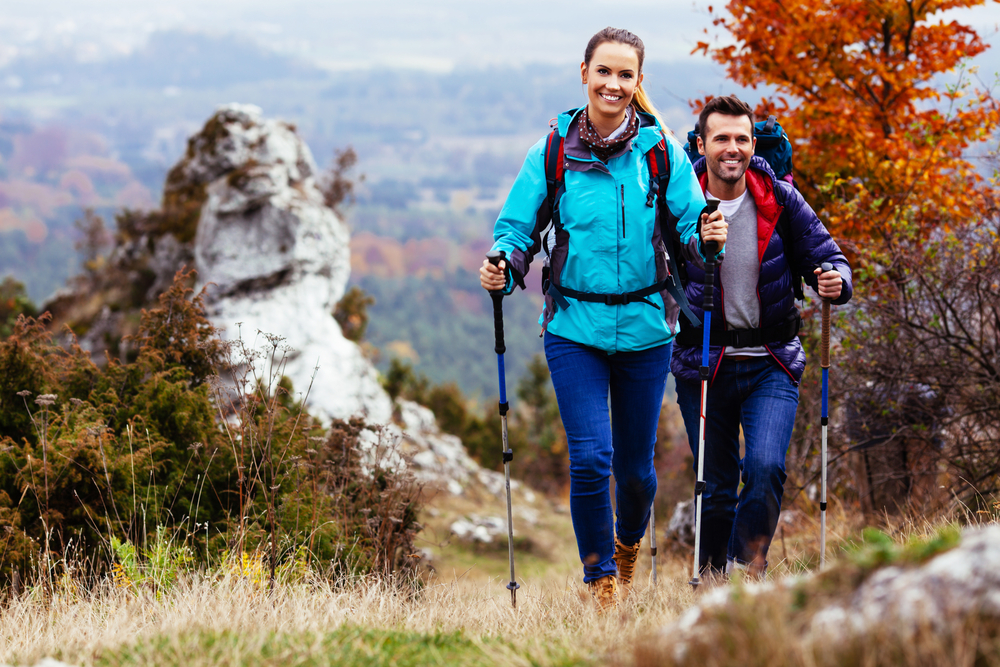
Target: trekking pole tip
{"x": 512, "y": 587}
{"x": 695, "y": 582}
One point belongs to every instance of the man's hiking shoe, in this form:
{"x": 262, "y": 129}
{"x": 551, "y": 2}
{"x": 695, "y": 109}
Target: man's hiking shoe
{"x": 625, "y": 559}
{"x": 605, "y": 592}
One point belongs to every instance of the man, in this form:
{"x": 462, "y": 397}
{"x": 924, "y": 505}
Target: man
{"x": 756, "y": 359}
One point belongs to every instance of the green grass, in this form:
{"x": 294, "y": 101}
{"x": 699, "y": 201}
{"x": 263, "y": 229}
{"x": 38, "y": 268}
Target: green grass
{"x": 348, "y": 645}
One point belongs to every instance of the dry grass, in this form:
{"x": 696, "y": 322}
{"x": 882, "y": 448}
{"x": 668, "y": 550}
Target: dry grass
{"x": 462, "y": 615}
{"x": 554, "y": 624}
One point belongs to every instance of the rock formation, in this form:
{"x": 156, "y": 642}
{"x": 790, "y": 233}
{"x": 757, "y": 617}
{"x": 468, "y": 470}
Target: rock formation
{"x": 275, "y": 258}
{"x": 242, "y": 207}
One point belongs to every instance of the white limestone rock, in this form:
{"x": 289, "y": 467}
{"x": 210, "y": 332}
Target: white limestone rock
{"x": 475, "y": 528}
{"x": 942, "y": 594}
{"x": 275, "y": 257}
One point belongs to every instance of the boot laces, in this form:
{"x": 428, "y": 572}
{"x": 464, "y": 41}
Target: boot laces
{"x": 625, "y": 558}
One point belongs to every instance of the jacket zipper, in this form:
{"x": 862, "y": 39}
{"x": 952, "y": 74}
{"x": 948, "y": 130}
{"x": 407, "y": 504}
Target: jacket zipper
{"x": 623, "y": 210}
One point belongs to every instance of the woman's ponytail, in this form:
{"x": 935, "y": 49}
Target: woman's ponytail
{"x": 642, "y": 102}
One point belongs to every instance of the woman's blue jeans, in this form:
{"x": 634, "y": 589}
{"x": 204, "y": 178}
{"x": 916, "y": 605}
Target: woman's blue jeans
{"x": 759, "y": 396}
{"x": 587, "y": 382}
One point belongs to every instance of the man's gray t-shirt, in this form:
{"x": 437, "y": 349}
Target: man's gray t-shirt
{"x": 740, "y": 270}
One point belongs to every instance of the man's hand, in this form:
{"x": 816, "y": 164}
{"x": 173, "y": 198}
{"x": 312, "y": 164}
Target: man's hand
{"x": 714, "y": 228}
{"x": 829, "y": 283}
{"x": 491, "y": 277}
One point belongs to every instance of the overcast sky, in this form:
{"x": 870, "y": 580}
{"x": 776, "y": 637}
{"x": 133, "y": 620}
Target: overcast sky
{"x": 345, "y": 34}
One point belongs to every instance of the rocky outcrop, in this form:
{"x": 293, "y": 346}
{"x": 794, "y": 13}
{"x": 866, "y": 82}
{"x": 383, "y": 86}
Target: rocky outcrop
{"x": 441, "y": 459}
{"x": 944, "y": 593}
{"x": 242, "y": 207}
{"x": 274, "y": 257}
{"x": 952, "y": 591}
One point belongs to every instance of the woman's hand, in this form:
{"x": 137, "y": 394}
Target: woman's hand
{"x": 714, "y": 228}
{"x": 828, "y": 283}
{"x": 493, "y": 278}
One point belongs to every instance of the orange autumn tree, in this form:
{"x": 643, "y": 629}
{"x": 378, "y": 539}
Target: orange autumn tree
{"x": 881, "y": 152}
{"x": 879, "y": 141}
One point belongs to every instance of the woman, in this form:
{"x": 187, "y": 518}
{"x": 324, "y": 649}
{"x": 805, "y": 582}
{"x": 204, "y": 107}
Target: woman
{"x": 607, "y": 332}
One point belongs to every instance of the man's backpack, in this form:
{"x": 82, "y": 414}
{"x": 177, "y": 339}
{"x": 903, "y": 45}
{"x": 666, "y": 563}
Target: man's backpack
{"x": 774, "y": 146}
{"x": 659, "y": 174}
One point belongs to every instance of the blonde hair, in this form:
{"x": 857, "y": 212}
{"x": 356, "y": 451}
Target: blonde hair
{"x": 640, "y": 100}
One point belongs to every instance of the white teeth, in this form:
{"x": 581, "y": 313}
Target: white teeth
{"x": 610, "y": 98}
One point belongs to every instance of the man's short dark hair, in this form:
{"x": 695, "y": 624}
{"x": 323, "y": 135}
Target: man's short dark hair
{"x": 728, "y": 105}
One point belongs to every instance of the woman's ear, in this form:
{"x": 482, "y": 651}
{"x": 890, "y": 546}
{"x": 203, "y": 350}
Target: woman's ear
{"x": 583, "y": 73}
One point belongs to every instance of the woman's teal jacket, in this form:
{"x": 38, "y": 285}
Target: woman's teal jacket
{"x": 608, "y": 239}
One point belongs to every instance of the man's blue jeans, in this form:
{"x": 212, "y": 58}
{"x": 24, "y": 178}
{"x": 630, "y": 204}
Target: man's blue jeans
{"x": 600, "y": 442}
{"x": 759, "y": 396}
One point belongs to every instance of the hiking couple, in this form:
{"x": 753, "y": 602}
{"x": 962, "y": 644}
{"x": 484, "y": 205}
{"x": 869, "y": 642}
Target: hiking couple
{"x": 614, "y": 184}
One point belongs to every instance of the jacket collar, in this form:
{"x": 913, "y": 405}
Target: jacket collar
{"x": 649, "y": 135}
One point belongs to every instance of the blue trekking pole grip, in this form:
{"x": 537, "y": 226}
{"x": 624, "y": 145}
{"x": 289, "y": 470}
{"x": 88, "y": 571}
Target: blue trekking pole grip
{"x": 711, "y": 248}
{"x": 824, "y": 362}
{"x": 495, "y": 257}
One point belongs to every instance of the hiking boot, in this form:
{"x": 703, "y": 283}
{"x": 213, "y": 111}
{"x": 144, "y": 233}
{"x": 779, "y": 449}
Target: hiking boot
{"x": 605, "y": 592}
{"x": 625, "y": 559}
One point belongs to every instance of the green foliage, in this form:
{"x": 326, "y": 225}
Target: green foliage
{"x": 448, "y": 323}
{"x": 337, "y": 188}
{"x": 877, "y": 549}
{"x": 347, "y": 645}
{"x": 155, "y": 567}
{"x": 352, "y": 313}
{"x": 14, "y": 302}
{"x": 155, "y": 462}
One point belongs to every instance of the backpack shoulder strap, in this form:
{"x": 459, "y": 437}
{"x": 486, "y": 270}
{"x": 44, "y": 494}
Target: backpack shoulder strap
{"x": 659, "y": 163}
{"x": 659, "y": 180}
{"x": 554, "y": 159}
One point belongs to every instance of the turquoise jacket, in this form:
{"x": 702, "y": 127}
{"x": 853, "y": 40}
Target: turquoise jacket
{"x": 606, "y": 238}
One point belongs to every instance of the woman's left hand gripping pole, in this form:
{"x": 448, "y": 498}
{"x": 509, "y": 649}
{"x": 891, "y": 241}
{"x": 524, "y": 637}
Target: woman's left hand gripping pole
{"x": 495, "y": 257}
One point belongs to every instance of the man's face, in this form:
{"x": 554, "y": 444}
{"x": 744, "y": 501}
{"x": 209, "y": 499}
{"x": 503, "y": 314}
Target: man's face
{"x": 727, "y": 143}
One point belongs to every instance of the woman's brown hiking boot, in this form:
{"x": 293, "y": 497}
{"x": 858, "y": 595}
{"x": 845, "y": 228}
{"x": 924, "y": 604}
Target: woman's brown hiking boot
{"x": 625, "y": 559}
{"x": 605, "y": 592}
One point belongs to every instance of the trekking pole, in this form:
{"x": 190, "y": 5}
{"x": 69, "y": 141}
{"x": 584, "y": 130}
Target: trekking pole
{"x": 494, "y": 257}
{"x": 699, "y": 485}
{"x": 652, "y": 541}
{"x": 824, "y": 362}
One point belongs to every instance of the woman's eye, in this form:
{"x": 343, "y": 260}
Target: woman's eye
{"x": 602, "y": 71}
{"x": 626, "y": 75}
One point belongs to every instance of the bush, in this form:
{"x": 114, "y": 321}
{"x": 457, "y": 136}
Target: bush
{"x": 159, "y": 446}
{"x": 920, "y": 373}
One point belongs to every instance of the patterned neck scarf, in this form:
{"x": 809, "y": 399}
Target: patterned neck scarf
{"x": 603, "y": 148}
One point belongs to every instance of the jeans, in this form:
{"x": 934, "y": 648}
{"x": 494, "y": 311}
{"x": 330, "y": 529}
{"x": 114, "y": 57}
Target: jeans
{"x": 759, "y": 396}
{"x": 600, "y": 442}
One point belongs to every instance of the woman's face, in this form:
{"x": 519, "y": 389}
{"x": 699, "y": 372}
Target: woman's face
{"x": 611, "y": 80}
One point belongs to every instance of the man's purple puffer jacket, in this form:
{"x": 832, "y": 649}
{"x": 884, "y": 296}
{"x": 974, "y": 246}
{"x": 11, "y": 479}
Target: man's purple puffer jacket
{"x": 812, "y": 245}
